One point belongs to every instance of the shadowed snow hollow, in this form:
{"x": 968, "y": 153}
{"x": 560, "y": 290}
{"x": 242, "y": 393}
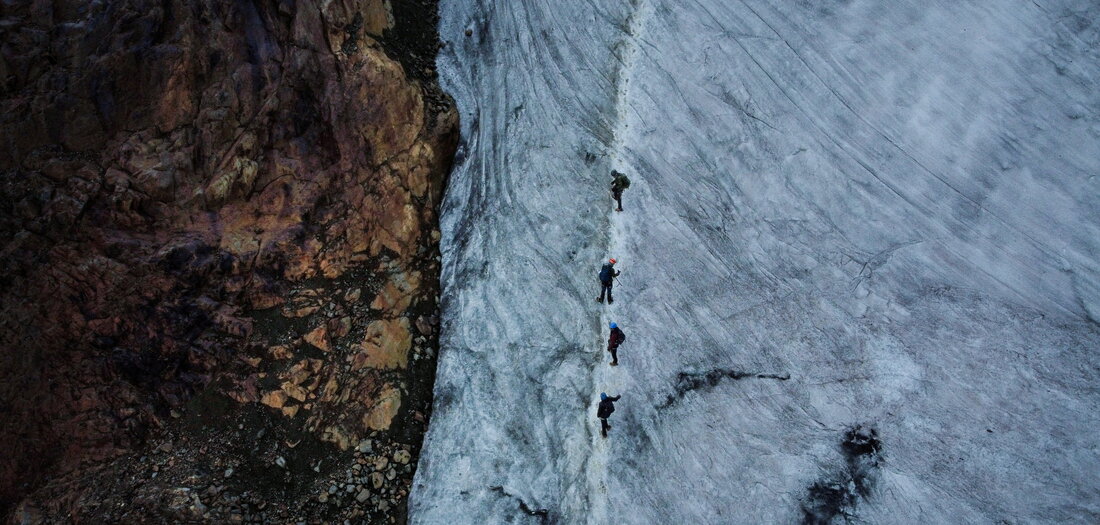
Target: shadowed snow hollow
{"x": 859, "y": 255}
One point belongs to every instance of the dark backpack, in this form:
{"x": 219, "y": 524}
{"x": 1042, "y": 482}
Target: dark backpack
{"x": 620, "y": 182}
{"x": 606, "y": 273}
{"x": 605, "y": 409}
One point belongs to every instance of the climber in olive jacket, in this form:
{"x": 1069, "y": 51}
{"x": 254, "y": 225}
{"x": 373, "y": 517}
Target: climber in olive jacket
{"x": 619, "y": 182}
{"x": 607, "y": 406}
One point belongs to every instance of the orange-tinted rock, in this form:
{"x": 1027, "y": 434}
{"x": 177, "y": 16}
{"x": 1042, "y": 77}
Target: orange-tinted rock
{"x": 385, "y": 407}
{"x": 300, "y": 310}
{"x": 338, "y": 328}
{"x": 338, "y": 436}
{"x": 295, "y": 391}
{"x": 318, "y": 338}
{"x": 274, "y": 399}
{"x": 302, "y": 370}
{"x": 391, "y": 299}
{"x": 280, "y": 352}
{"x": 386, "y": 345}
{"x": 396, "y": 295}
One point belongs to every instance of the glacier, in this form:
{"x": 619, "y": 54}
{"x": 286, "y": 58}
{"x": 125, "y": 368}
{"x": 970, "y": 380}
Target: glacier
{"x": 860, "y": 263}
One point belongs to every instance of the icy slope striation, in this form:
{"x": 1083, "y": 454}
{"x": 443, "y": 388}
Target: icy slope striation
{"x": 860, "y": 263}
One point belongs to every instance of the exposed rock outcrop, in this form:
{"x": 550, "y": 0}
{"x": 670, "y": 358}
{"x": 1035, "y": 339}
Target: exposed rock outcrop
{"x": 219, "y": 260}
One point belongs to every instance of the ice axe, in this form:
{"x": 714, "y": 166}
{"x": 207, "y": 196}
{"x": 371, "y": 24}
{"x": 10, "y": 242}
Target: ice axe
{"x": 619, "y": 277}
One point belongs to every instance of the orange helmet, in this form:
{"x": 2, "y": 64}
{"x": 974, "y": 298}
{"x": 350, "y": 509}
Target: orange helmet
{"x": 612, "y": 261}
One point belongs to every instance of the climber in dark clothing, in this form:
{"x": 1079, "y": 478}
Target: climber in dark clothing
{"x": 617, "y": 337}
{"x": 607, "y": 277}
{"x": 607, "y": 406}
{"x": 619, "y": 182}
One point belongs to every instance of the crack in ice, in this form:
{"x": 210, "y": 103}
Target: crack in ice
{"x": 541, "y": 513}
{"x": 690, "y": 381}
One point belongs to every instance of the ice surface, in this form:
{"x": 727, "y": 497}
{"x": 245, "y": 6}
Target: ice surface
{"x": 842, "y": 213}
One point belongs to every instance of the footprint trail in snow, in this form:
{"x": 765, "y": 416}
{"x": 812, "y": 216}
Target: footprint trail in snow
{"x": 615, "y": 380}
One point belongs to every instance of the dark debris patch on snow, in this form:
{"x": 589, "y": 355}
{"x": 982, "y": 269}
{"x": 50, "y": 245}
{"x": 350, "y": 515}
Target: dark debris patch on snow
{"x": 542, "y": 514}
{"x": 689, "y": 381}
{"x": 862, "y": 449}
{"x": 837, "y": 496}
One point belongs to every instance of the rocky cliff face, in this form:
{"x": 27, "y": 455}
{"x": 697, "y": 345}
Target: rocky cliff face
{"x": 218, "y": 271}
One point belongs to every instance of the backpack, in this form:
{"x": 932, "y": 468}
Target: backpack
{"x": 620, "y": 182}
{"x": 605, "y": 410}
{"x": 605, "y": 273}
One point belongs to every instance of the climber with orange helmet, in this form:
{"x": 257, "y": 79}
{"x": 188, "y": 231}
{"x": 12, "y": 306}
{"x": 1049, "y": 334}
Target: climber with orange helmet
{"x": 607, "y": 276}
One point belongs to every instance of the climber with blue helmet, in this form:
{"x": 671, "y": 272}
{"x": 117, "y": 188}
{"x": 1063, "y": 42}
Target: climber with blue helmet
{"x": 606, "y": 407}
{"x": 613, "y": 341}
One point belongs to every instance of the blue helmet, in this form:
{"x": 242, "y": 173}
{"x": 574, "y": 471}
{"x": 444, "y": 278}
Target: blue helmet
{"x": 603, "y": 396}
{"x": 613, "y": 325}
